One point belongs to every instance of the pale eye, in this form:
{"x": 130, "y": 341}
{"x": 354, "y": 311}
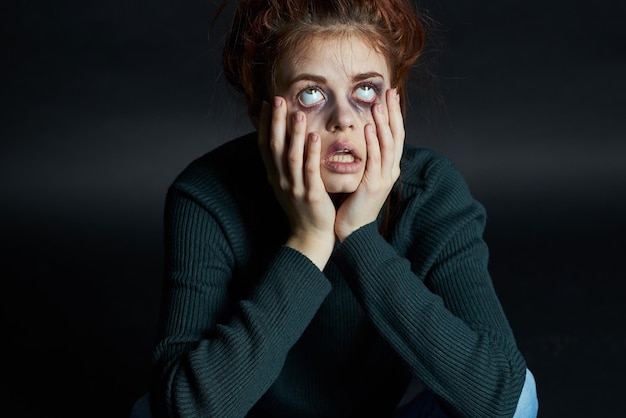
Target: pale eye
{"x": 310, "y": 96}
{"x": 365, "y": 93}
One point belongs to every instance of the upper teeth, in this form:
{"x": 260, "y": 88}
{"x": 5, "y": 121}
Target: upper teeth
{"x": 342, "y": 157}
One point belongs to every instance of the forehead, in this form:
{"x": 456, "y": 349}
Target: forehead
{"x": 340, "y": 56}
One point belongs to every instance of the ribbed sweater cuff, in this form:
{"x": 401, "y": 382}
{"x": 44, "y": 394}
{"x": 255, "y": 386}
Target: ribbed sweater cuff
{"x": 292, "y": 291}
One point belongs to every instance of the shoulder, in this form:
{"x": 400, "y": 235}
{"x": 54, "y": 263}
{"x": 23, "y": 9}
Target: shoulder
{"x": 434, "y": 205}
{"x": 227, "y": 179}
{"x": 433, "y": 192}
{"x": 429, "y": 171}
{"x": 234, "y": 163}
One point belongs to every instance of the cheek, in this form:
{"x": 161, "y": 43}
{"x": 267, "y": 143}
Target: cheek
{"x": 314, "y": 122}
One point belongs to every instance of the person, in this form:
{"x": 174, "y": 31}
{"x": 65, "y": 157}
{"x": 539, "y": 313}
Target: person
{"x": 321, "y": 266}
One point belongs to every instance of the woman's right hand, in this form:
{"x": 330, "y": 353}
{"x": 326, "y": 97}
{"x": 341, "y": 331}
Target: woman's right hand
{"x": 292, "y": 163}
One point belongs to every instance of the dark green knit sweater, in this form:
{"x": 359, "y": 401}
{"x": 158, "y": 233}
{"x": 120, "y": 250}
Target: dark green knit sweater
{"x": 252, "y": 328}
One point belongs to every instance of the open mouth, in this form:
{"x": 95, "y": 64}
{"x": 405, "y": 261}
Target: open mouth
{"x": 341, "y": 156}
{"x": 342, "y": 159}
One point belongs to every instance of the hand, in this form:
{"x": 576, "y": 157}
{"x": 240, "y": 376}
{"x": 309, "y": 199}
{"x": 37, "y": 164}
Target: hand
{"x": 385, "y": 142}
{"x": 292, "y": 163}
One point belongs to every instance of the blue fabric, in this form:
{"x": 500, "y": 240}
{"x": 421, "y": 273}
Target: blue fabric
{"x": 528, "y": 403}
{"x": 425, "y": 405}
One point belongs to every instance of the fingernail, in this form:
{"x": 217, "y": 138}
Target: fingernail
{"x": 277, "y": 102}
{"x": 298, "y": 117}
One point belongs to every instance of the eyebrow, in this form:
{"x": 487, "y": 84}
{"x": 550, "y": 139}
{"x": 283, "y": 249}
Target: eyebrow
{"x": 322, "y": 80}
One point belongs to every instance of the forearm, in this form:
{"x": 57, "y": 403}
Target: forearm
{"x": 317, "y": 248}
{"x": 242, "y": 355}
{"x": 228, "y": 318}
{"x": 459, "y": 345}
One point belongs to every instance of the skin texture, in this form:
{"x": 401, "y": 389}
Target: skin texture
{"x": 331, "y": 140}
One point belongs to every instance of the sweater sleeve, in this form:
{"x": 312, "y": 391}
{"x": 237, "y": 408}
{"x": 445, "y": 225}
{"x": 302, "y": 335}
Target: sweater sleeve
{"x": 217, "y": 354}
{"x": 429, "y": 293}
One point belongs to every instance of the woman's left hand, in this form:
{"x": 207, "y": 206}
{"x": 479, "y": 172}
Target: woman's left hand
{"x": 385, "y": 142}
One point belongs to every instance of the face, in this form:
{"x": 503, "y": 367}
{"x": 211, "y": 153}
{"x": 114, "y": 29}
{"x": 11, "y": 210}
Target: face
{"x": 335, "y": 82}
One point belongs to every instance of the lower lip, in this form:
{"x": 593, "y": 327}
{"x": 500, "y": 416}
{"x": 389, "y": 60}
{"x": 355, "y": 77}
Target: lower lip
{"x": 343, "y": 168}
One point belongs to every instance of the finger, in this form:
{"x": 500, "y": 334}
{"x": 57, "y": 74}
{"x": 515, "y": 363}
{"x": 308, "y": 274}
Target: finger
{"x": 313, "y": 178}
{"x": 295, "y": 154}
{"x": 372, "y": 164}
{"x": 396, "y": 122}
{"x": 385, "y": 137}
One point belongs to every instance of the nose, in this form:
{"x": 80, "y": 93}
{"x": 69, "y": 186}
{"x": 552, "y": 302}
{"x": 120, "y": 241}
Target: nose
{"x": 342, "y": 117}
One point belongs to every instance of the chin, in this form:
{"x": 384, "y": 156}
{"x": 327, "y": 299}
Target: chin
{"x": 342, "y": 184}
{"x": 340, "y": 191}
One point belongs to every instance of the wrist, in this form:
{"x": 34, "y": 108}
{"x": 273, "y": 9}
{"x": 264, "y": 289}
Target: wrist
{"x": 317, "y": 248}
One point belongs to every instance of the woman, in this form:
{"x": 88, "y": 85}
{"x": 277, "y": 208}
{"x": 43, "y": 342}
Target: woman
{"x": 320, "y": 266}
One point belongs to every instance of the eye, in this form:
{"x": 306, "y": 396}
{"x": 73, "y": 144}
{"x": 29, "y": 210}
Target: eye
{"x": 366, "y": 93}
{"x": 310, "y": 96}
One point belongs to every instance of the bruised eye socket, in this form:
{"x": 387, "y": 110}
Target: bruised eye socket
{"x": 310, "y": 96}
{"x": 366, "y": 93}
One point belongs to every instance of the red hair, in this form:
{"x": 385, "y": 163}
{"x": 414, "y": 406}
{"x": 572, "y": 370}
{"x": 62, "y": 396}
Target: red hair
{"x": 264, "y": 31}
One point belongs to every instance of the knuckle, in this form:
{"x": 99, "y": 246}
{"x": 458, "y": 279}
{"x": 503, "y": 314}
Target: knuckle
{"x": 293, "y": 158}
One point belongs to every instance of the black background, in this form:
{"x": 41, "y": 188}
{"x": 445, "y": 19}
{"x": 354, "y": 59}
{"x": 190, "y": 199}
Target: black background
{"x": 104, "y": 103}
